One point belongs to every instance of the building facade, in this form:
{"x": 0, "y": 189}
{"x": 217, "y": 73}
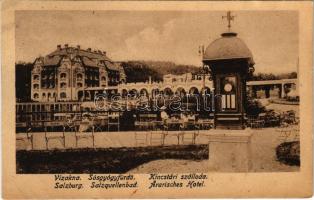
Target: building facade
{"x": 70, "y": 73}
{"x": 183, "y": 84}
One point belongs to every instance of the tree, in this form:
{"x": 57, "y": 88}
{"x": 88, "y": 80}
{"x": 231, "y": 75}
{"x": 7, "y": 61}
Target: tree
{"x": 23, "y": 81}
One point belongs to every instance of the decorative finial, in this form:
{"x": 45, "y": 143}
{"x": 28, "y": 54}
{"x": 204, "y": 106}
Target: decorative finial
{"x": 229, "y": 18}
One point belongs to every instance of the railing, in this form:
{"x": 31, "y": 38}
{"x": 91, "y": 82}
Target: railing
{"x": 54, "y": 116}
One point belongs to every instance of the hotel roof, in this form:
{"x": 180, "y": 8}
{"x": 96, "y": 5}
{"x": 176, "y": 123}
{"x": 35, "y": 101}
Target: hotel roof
{"x": 88, "y": 57}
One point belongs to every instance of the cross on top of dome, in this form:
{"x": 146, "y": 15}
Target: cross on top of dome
{"x": 229, "y": 18}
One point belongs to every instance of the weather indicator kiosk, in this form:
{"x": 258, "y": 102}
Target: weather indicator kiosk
{"x": 230, "y": 62}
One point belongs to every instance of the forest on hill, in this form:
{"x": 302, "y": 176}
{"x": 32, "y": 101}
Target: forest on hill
{"x": 139, "y": 71}
{"x": 270, "y": 76}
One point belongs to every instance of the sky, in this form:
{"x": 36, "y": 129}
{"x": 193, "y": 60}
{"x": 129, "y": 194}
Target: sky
{"x": 272, "y": 36}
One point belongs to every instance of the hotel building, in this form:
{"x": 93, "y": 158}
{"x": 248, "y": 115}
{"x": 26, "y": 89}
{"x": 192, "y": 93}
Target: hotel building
{"x": 71, "y": 73}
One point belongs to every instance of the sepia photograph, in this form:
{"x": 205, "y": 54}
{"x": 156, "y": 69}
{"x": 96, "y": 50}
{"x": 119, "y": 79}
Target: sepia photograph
{"x": 127, "y": 97}
{"x": 172, "y": 89}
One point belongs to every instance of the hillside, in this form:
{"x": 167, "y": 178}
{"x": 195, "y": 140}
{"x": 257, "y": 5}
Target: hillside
{"x": 139, "y": 71}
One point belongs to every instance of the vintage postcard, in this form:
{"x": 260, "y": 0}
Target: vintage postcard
{"x": 156, "y": 99}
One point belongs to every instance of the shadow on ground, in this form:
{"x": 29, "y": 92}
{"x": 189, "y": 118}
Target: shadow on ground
{"x": 289, "y": 153}
{"x": 109, "y": 160}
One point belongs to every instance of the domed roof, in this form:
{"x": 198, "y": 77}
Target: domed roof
{"x": 227, "y": 47}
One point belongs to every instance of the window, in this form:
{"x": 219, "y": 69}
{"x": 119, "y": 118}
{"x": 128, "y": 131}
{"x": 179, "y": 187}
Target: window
{"x": 79, "y": 85}
{"x": 36, "y": 96}
{"x": 36, "y": 86}
{"x": 103, "y": 78}
{"x": 228, "y": 92}
{"x": 44, "y": 95}
{"x": 36, "y": 77}
{"x": 63, "y": 85}
{"x": 79, "y": 76}
{"x": 63, "y": 95}
{"x": 63, "y": 75}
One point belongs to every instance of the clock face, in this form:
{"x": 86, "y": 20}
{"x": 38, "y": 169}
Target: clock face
{"x": 228, "y": 84}
{"x": 228, "y": 87}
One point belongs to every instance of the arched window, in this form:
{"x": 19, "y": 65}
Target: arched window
{"x": 63, "y": 85}
{"x": 44, "y": 95}
{"x": 180, "y": 91}
{"x": 36, "y": 96}
{"x": 133, "y": 92}
{"x": 79, "y": 85}
{"x": 103, "y": 78}
{"x": 49, "y": 95}
{"x": 36, "y": 86}
{"x": 63, "y": 75}
{"x": 63, "y": 95}
{"x": 79, "y": 76}
{"x": 143, "y": 92}
{"x": 36, "y": 77}
{"x": 193, "y": 90}
{"x": 168, "y": 92}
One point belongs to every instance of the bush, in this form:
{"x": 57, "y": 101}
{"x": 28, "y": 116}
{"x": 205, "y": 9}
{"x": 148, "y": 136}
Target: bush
{"x": 254, "y": 107}
{"x": 289, "y": 153}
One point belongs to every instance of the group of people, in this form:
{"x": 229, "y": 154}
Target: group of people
{"x": 183, "y": 117}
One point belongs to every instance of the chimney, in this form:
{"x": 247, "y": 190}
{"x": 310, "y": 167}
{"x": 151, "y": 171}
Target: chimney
{"x": 66, "y": 46}
{"x": 104, "y": 53}
{"x": 58, "y": 47}
{"x": 78, "y": 47}
{"x": 89, "y": 49}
